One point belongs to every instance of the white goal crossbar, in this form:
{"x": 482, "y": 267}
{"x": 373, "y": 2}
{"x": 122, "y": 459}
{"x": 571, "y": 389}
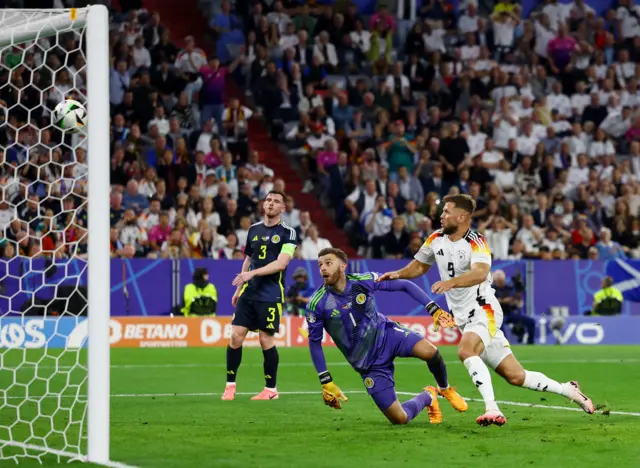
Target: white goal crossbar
{"x": 20, "y": 26}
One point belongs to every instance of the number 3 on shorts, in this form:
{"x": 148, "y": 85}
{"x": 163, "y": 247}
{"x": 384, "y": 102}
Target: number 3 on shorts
{"x": 272, "y": 314}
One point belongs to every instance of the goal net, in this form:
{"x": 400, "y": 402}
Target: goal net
{"x": 54, "y": 359}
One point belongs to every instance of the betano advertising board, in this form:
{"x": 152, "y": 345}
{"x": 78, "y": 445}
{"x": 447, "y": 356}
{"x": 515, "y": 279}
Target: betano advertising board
{"x": 166, "y": 332}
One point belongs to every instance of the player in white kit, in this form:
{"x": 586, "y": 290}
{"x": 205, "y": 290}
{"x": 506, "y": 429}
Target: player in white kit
{"x": 464, "y": 262}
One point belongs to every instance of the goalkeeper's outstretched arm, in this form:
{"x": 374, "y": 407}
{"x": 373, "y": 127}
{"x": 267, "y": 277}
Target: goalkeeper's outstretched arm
{"x": 439, "y": 315}
{"x": 331, "y": 393}
{"x": 413, "y": 270}
{"x": 407, "y": 287}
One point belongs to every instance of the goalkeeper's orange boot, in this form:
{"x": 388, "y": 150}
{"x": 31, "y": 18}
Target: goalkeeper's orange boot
{"x": 229, "y": 392}
{"x": 267, "y": 394}
{"x": 435, "y": 415}
{"x": 454, "y": 399}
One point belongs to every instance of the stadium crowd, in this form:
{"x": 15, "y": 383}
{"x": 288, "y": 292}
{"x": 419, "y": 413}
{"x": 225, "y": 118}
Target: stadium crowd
{"x": 537, "y": 118}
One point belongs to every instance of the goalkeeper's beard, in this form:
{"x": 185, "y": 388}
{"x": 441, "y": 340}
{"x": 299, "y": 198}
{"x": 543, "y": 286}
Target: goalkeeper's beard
{"x": 333, "y": 278}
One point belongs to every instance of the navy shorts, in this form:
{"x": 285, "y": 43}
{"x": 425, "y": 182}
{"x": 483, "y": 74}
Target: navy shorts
{"x": 258, "y": 315}
{"x": 378, "y": 379}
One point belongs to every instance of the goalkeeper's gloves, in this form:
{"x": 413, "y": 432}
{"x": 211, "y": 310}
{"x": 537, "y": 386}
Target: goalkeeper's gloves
{"x": 440, "y": 316}
{"x": 331, "y": 393}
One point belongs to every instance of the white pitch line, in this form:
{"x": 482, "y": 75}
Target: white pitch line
{"x": 61, "y": 453}
{"x": 315, "y": 392}
{"x": 303, "y": 364}
{"x": 533, "y": 405}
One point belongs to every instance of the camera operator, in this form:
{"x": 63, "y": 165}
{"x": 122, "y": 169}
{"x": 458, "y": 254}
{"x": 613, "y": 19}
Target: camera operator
{"x": 299, "y": 292}
{"x": 510, "y": 298}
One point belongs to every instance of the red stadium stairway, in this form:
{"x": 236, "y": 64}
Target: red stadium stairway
{"x": 183, "y": 19}
{"x": 271, "y": 155}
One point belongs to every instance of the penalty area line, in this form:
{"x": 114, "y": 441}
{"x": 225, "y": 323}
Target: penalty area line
{"x": 62, "y": 453}
{"x": 361, "y": 392}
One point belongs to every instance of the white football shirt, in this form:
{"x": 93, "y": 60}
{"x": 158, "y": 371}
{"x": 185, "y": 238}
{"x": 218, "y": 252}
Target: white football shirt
{"x": 453, "y": 259}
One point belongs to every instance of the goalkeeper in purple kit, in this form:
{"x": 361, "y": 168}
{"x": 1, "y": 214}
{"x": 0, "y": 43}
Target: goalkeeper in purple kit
{"x": 344, "y": 307}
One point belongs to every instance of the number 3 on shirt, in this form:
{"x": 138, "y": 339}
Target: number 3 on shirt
{"x": 450, "y": 269}
{"x": 263, "y": 252}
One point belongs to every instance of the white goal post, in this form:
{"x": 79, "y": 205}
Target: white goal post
{"x": 91, "y": 432}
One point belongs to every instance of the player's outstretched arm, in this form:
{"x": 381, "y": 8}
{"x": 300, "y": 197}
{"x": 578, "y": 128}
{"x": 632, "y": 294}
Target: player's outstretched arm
{"x": 475, "y": 276}
{"x": 331, "y": 393}
{"x": 406, "y": 286}
{"x": 440, "y": 316}
{"x": 414, "y": 269}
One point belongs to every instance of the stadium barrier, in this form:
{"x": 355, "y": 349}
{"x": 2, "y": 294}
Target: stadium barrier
{"x": 178, "y": 332}
{"x": 197, "y": 332}
{"x": 154, "y": 287}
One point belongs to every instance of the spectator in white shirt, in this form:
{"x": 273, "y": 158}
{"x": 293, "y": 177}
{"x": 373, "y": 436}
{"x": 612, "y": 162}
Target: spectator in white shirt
{"x": 544, "y": 34}
{"x": 291, "y": 215}
{"x": 504, "y": 126}
{"x": 364, "y": 199}
{"x": 629, "y": 16}
{"x": 279, "y": 17}
{"x": 470, "y": 51}
{"x": 160, "y": 121}
{"x": 578, "y": 174}
{"x": 577, "y": 141}
{"x": 600, "y": 145}
{"x": 476, "y": 140}
{"x": 141, "y": 55}
{"x": 498, "y": 233}
{"x": 313, "y": 244}
{"x": 326, "y": 52}
{"x": 490, "y": 157}
{"x": 188, "y": 62}
{"x": 559, "y": 101}
{"x": 617, "y": 122}
{"x": 504, "y": 27}
{"x": 527, "y": 142}
{"x": 579, "y": 100}
{"x": 434, "y": 39}
{"x": 468, "y": 23}
{"x": 243, "y": 232}
{"x": 360, "y": 39}
{"x": 631, "y": 95}
{"x": 553, "y": 11}
{"x": 289, "y": 39}
{"x": 530, "y": 235}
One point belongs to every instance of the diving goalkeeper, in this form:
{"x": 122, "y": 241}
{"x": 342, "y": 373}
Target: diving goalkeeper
{"x": 344, "y": 306}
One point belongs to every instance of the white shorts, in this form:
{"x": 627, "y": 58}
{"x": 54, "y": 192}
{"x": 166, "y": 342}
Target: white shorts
{"x": 485, "y": 321}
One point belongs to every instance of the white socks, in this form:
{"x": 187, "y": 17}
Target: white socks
{"x": 482, "y": 379}
{"x": 541, "y": 383}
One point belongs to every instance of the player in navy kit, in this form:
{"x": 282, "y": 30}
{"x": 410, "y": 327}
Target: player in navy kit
{"x": 260, "y": 294}
{"x": 344, "y": 307}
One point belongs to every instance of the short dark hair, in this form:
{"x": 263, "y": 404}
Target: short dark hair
{"x": 277, "y": 192}
{"x": 333, "y": 251}
{"x": 463, "y": 201}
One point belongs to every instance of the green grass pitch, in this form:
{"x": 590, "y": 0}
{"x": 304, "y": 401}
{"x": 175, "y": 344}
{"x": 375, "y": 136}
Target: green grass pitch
{"x": 166, "y": 412}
